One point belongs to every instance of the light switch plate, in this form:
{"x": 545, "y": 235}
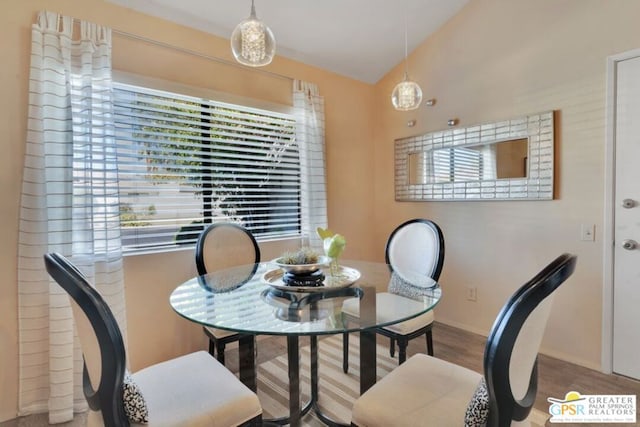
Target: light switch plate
{"x": 588, "y": 232}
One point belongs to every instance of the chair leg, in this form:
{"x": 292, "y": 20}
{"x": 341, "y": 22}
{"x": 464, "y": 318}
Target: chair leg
{"x": 220, "y": 349}
{"x": 402, "y": 350}
{"x": 345, "y": 353}
{"x": 429, "y": 343}
{"x": 255, "y": 348}
{"x": 212, "y": 348}
{"x": 392, "y": 347}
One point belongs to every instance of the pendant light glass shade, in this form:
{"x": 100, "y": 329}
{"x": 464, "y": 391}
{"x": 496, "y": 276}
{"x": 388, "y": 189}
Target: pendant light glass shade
{"x": 252, "y": 42}
{"x": 407, "y": 95}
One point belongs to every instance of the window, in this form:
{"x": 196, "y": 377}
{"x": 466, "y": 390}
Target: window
{"x": 184, "y": 162}
{"x": 458, "y": 164}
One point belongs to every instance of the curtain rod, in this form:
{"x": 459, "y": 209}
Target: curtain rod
{"x": 194, "y": 53}
{"x": 199, "y": 54}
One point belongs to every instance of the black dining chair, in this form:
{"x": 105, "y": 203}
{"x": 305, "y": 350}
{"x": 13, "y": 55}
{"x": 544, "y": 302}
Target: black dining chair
{"x": 223, "y": 245}
{"x": 194, "y": 389}
{"x": 415, "y": 246}
{"x": 435, "y": 392}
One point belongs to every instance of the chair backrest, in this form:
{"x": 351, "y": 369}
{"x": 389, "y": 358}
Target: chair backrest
{"x": 223, "y": 245}
{"x": 510, "y": 358}
{"x": 414, "y": 246}
{"x": 100, "y": 338}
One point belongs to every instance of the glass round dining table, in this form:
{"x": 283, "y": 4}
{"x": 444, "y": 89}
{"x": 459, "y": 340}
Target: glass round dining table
{"x": 255, "y": 300}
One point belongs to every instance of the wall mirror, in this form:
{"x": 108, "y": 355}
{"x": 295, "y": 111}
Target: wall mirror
{"x": 511, "y": 159}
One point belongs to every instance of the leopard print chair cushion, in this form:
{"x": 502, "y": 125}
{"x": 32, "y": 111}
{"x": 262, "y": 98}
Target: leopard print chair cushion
{"x": 400, "y": 286}
{"x": 478, "y": 408}
{"x": 135, "y": 406}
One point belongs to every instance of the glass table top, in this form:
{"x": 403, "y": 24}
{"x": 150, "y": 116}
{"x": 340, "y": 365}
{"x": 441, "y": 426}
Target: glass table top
{"x": 254, "y": 299}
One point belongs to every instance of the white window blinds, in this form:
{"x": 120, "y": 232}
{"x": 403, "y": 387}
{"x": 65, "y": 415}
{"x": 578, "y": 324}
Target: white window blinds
{"x": 184, "y": 162}
{"x": 457, "y": 165}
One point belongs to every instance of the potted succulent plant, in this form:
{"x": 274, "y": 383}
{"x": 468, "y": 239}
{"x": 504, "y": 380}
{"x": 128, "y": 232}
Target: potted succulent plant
{"x": 302, "y": 267}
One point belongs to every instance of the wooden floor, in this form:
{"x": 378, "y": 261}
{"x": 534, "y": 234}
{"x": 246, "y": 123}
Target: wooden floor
{"x": 555, "y": 377}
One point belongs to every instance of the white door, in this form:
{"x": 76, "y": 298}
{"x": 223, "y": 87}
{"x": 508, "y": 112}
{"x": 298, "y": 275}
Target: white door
{"x": 626, "y": 262}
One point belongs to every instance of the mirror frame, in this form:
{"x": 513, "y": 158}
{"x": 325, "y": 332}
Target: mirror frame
{"x": 538, "y": 185}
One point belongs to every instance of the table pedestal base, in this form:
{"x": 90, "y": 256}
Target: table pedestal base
{"x": 248, "y": 375}
{"x": 367, "y": 372}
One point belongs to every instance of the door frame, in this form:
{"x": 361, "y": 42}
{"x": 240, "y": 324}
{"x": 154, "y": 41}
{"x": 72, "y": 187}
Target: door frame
{"x": 609, "y": 208}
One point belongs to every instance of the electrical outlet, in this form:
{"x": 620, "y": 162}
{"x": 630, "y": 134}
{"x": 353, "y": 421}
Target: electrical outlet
{"x": 588, "y": 232}
{"x": 472, "y": 294}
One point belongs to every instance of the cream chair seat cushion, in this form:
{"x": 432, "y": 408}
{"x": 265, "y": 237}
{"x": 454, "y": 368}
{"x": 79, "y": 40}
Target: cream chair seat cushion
{"x": 408, "y": 326}
{"x": 422, "y": 391}
{"x": 193, "y": 390}
{"x": 386, "y": 305}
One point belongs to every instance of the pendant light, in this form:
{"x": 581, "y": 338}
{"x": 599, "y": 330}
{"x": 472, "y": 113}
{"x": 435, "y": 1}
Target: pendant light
{"x": 252, "y": 42}
{"x": 407, "y": 95}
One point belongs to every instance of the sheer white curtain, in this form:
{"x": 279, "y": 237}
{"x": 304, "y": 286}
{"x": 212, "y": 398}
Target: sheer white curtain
{"x": 69, "y": 205}
{"x": 489, "y": 164}
{"x": 309, "y": 113}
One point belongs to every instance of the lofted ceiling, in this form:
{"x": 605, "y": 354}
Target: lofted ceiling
{"x": 361, "y": 39}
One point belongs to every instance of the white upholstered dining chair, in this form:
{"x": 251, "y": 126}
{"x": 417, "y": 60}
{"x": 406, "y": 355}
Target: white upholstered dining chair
{"x": 223, "y": 245}
{"x": 191, "y": 390}
{"x": 414, "y": 247}
{"x": 429, "y": 391}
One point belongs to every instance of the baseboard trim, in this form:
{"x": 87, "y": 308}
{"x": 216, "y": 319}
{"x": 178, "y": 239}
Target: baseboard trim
{"x": 570, "y": 359}
{"x": 462, "y": 326}
{"x": 550, "y": 353}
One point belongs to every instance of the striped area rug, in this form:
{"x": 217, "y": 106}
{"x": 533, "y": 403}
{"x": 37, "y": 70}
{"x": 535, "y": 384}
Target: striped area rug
{"x": 337, "y": 391}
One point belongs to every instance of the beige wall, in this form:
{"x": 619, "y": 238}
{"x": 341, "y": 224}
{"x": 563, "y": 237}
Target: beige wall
{"x": 500, "y": 59}
{"x": 155, "y": 332}
{"x": 497, "y": 59}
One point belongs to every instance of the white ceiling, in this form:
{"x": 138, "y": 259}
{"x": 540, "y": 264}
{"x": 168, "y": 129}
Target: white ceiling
{"x": 362, "y": 39}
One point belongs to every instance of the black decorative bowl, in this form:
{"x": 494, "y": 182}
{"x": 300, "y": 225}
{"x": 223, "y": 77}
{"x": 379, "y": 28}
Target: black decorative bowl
{"x": 315, "y": 278}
